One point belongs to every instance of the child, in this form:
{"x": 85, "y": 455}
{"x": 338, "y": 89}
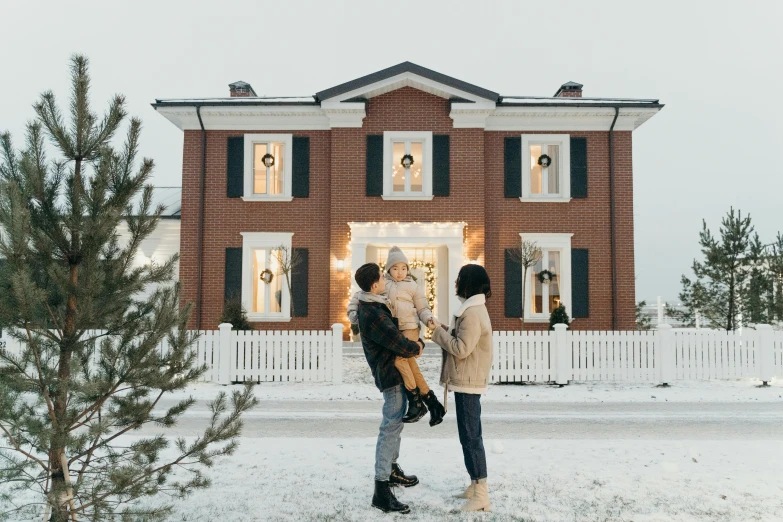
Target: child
{"x": 409, "y": 306}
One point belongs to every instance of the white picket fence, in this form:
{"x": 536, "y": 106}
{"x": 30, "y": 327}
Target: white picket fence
{"x": 662, "y": 355}
{"x": 257, "y": 356}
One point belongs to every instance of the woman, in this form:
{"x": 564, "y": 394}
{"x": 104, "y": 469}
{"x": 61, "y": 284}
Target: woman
{"x": 467, "y": 358}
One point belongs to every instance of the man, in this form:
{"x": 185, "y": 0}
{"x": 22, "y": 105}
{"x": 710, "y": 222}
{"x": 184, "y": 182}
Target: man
{"x": 383, "y": 341}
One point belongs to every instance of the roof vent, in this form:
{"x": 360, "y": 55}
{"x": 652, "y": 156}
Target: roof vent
{"x": 241, "y": 89}
{"x": 569, "y": 90}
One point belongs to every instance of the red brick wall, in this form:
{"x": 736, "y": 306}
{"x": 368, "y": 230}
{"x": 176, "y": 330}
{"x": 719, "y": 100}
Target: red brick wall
{"x": 405, "y": 109}
{"x": 337, "y": 196}
{"x": 587, "y": 219}
{"x": 226, "y": 218}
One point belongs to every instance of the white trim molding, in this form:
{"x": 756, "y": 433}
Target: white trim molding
{"x": 288, "y": 156}
{"x": 252, "y": 241}
{"x": 551, "y": 242}
{"x": 407, "y": 79}
{"x": 425, "y": 138}
{"x": 471, "y": 115}
{"x": 412, "y": 235}
{"x": 563, "y": 165}
{"x": 570, "y": 118}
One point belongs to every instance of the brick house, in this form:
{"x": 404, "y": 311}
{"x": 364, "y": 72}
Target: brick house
{"x": 330, "y": 177}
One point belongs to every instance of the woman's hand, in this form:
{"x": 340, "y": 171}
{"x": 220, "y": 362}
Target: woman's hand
{"x": 431, "y": 324}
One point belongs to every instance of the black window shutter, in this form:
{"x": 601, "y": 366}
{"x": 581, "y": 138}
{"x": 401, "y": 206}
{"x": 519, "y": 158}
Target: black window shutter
{"x": 299, "y": 280}
{"x": 233, "y": 275}
{"x": 440, "y": 165}
{"x": 578, "y": 167}
{"x": 374, "y": 165}
{"x": 513, "y": 285}
{"x": 580, "y": 284}
{"x": 512, "y": 169}
{"x": 235, "y": 166}
{"x": 300, "y": 168}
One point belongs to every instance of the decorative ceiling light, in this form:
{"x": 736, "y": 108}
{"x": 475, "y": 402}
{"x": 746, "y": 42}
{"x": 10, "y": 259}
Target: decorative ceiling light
{"x": 544, "y": 160}
{"x": 268, "y": 160}
{"x": 407, "y": 161}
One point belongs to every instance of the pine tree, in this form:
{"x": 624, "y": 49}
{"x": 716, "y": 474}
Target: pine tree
{"x": 559, "y": 316}
{"x": 718, "y": 293}
{"x": 643, "y": 321}
{"x": 235, "y": 313}
{"x": 68, "y": 398}
{"x": 775, "y": 262}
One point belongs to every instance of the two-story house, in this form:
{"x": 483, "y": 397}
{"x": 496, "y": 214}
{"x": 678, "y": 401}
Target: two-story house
{"x": 450, "y": 172}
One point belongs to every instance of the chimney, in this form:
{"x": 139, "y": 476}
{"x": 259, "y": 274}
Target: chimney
{"x": 241, "y": 89}
{"x": 569, "y": 90}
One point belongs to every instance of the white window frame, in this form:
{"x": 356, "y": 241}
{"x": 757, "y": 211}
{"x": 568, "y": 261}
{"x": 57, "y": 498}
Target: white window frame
{"x": 252, "y": 241}
{"x": 288, "y": 154}
{"x": 551, "y": 242}
{"x": 389, "y": 138}
{"x": 564, "y": 141}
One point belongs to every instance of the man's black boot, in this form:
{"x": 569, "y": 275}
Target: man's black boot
{"x": 416, "y": 408}
{"x": 384, "y": 499}
{"x": 399, "y": 478}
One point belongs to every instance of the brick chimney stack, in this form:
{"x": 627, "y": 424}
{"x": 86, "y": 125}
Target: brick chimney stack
{"x": 569, "y": 90}
{"x": 241, "y": 89}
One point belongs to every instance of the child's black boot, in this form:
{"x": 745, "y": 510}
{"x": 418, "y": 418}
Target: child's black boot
{"x": 416, "y": 408}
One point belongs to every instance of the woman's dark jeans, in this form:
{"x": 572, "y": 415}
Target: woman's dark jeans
{"x": 469, "y": 426}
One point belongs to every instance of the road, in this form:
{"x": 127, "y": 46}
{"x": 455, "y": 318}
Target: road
{"x": 652, "y": 421}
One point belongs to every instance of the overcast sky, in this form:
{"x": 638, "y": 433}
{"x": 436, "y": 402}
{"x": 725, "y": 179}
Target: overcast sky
{"x": 717, "y": 65}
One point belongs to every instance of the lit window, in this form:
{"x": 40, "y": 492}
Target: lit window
{"x": 268, "y": 167}
{"x": 546, "y": 167}
{"x": 408, "y": 165}
{"x": 264, "y": 287}
{"x": 543, "y": 297}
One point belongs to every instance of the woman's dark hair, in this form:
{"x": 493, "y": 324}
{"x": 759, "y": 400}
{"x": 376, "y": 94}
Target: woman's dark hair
{"x": 473, "y": 280}
{"x": 367, "y": 275}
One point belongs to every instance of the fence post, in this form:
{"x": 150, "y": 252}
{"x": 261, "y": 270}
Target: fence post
{"x": 766, "y": 362}
{"x": 224, "y": 353}
{"x": 665, "y": 356}
{"x": 562, "y": 354}
{"x": 337, "y": 353}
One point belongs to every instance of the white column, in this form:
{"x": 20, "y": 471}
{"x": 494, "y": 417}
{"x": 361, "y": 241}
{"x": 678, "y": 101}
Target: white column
{"x": 456, "y": 261}
{"x": 660, "y": 311}
{"x": 225, "y": 353}
{"x": 665, "y": 354}
{"x": 358, "y": 258}
{"x": 562, "y": 348}
{"x": 337, "y": 353}
{"x": 764, "y": 354}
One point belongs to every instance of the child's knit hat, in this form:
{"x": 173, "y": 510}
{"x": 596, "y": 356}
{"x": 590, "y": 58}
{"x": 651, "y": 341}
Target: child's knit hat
{"x": 396, "y": 256}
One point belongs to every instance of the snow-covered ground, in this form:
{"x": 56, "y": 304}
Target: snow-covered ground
{"x": 358, "y": 385}
{"x": 531, "y": 480}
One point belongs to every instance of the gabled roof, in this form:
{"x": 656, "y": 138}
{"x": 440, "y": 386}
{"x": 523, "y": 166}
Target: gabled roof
{"x": 406, "y": 67}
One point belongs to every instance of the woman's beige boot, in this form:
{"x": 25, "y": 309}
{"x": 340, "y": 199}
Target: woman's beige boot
{"x": 480, "y": 499}
{"x": 468, "y": 493}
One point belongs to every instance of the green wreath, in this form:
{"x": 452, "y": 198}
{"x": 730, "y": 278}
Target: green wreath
{"x": 408, "y": 157}
{"x": 266, "y": 276}
{"x": 266, "y": 157}
{"x": 544, "y": 160}
{"x": 545, "y": 277}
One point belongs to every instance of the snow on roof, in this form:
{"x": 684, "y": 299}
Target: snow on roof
{"x": 539, "y": 100}
{"x": 239, "y": 100}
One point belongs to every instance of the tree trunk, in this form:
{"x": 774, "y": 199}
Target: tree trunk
{"x": 524, "y": 282}
{"x": 61, "y": 511}
{"x": 730, "y": 318}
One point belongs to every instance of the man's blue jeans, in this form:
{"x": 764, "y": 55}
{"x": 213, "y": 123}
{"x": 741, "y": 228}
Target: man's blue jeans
{"x": 469, "y": 427}
{"x": 388, "y": 448}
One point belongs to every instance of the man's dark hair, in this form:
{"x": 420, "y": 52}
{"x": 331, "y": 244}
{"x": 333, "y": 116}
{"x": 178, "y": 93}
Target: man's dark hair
{"x": 367, "y": 275}
{"x": 473, "y": 280}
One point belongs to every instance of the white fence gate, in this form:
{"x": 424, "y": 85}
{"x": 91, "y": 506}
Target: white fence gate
{"x": 661, "y": 355}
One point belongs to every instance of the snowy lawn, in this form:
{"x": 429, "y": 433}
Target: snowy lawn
{"x": 331, "y": 480}
{"x": 358, "y": 385}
